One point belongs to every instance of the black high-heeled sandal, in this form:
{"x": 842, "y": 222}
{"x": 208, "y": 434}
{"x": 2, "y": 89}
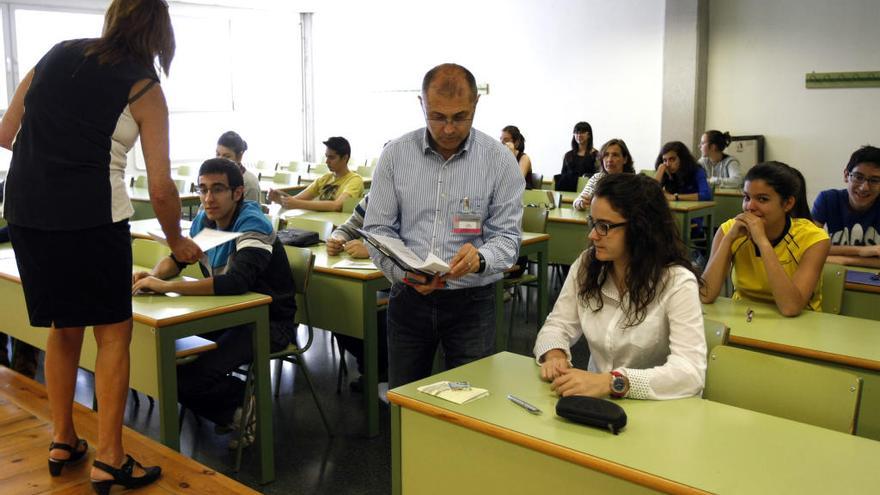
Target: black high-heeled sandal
{"x": 122, "y": 476}
{"x": 77, "y": 451}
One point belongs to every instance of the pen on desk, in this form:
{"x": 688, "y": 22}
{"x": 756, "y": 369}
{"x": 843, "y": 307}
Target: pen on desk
{"x": 523, "y": 404}
{"x": 749, "y": 314}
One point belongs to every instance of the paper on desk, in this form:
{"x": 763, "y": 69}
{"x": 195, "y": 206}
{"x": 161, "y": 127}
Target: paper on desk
{"x": 206, "y": 239}
{"x": 355, "y": 264}
{"x": 441, "y": 389}
{"x": 396, "y": 247}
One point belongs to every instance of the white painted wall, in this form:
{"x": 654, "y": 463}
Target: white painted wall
{"x": 759, "y": 53}
{"x": 548, "y": 63}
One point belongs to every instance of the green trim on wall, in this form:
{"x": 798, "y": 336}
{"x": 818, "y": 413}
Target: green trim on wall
{"x": 864, "y": 79}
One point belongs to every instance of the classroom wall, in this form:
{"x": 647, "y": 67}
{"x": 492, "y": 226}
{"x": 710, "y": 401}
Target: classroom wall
{"x": 548, "y": 64}
{"x": 759, "y": 53}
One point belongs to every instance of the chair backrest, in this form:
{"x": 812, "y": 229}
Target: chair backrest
{"x": 349, "y": 203}
{"x": 291, "y": 166}
{"x": 323, "y": 227}
{"x": 717, "y": 334}
{"x": 140, "y": 181}
{"x": 648, "y": 173}
{"x": 364, "y": 171}
{"x": 784, "y": 387}
{"x": 184, "y": 170}
{"x": 180, "y": 184}
{"x": 536, "y": 180}
{"x": 302, "y": 262}
{"x": 538, "y": 197}
{"x": 147, "y": 252}
{"x": 534, "y": 219}
{"x": 833, "y": 279}
{"x": 319, "y": 168}
{"x": 282, "y": 178}
{"x": 582, "y": 183}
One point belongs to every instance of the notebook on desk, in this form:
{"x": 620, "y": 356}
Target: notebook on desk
{"x": 864, "y": 278}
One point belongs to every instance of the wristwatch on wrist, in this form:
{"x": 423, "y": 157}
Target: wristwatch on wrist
{"x": 482, "y": 267}
{"x": 619, "y": 385}
{"x": 676, "y": 196}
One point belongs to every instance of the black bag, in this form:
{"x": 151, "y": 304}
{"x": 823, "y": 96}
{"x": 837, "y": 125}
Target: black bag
{"x": 591, "y": 411}
{"x": 298, "y": 237}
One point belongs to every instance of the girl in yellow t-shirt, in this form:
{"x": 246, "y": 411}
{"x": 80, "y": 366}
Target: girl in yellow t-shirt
{"x": 776, "y": 250}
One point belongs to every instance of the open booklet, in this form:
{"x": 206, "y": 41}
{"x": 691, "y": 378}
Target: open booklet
{"x": 206, "y": 239}
{"x": 458, "y": 395}
{"x": 403, "y": 257}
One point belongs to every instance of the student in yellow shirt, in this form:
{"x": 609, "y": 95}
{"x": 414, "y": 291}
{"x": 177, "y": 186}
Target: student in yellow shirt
{"x": 776, "y": 250}
{"x": 331, "y": 189}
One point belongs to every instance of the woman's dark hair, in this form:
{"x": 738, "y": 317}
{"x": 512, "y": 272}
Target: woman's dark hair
{"x": 582, "y": 127}
{"x": 787, "y": 181}
{"x": 719, "y": 139}
{"x": 519, "y": 141}
{"x": 628, "y": 164}
{"x": 137, "y": 30}
{"x": 865, "y": 154}
{"x": 231, "y": 140}
{"x": 653, "y": 244}
{"x": 687, "y": 167}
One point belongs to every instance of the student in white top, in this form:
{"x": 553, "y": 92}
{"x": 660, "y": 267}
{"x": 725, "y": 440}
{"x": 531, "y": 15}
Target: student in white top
{"x": 615, "y": 159}
{"x": 634, "y": 296}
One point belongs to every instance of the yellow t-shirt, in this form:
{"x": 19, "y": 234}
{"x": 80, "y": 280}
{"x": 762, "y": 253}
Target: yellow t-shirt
{"x": 329, "y": 188}
{"x": 749, "y": 277}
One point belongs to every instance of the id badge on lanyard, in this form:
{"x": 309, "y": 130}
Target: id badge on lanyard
{"x": 467, "y": 221}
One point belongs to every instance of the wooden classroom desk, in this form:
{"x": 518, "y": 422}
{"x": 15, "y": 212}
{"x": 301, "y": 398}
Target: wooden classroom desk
{"x": 678, "y": 446}
{"x": 729, "y": 203}
{"x": 143, "y": 208}
{"x": 834, "y": 340}
{"x": 859, "y": 300}
{"x": 568, "y": 234}
{"x": 686, "y": 212}
{"x": 159, "y": 320}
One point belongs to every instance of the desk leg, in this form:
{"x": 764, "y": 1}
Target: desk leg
{"x": 686, "y": 229}
{"x": 169, "y": 430}
{"x": 371, "y": 364}
{"x": 543, "y": 284}
{"x": 500, "y": 330}
{"x": 396, "y": 481}
{"x": 262, "y": 381}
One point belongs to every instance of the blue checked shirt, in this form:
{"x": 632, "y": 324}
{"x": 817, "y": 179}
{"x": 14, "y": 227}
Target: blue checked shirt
{"x": 415, "y": 194}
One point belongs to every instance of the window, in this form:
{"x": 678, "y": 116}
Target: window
{"x": 37, "y": 31}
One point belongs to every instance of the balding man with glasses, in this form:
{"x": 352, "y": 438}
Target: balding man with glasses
{"x": 449, "y": 190}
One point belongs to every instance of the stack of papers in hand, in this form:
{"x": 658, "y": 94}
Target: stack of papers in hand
{"x": 459, "y": 396}
{"x": 206, "y": 239}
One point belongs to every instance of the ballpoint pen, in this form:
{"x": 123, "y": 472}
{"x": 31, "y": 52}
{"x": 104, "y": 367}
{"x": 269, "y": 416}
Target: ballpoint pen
{"x": 523, "y": 404}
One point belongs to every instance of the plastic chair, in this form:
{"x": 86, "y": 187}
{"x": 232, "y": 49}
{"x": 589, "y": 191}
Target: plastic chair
{"x": 536, "y": 180}
{"x": 281, "y": 178}
{"x": 833, "y": 280}
{"x": 139, "y": 182}
{"x": 582, "y": 183}
{"x": 534, "y": 220}
{"x": 365, "y": 172}
{"x": 796, "y": 390}
{"x": 323, "y": 227}
{"x": 319, "y": 168}
{"x": 349, "y": 203}
{"x": 717, "y": 334}
{"x": 146, "y": 253}
{"x": 538, "y": 197}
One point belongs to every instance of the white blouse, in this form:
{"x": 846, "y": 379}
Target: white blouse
{"x": 664, "y": 356}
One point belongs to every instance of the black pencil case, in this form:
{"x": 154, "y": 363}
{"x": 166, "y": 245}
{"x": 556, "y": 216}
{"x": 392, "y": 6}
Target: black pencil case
{"x": 591, "y": 411}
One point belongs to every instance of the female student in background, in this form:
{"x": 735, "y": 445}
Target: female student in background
{"x": 723, "y": 170}
{"x": 581, "y": 160}
{"x": 516, "y": 142}
{"x": 634, "y": 296}
{"x": 232, "y": 147}
{"x": 615, "y": 159}
{"x": 777, "y": 251}
{"x": 679, "y": 175}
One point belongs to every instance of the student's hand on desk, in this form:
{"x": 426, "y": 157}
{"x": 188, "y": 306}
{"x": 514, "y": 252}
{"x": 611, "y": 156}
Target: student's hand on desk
{"x": 150, "y": 284}
{"x": 466, "y": 261}
{"x": 356, "y": 249}
{"x": 574, "y": 381}
{"x": 334, "y": 246}
{"x": 185, "y": 250}
{"x": 138, "y": 275}
{"x": 422, "y": 284}
{"x": 555, "y": 363}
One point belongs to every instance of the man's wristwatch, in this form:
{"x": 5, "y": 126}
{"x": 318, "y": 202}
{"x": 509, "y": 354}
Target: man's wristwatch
{"x": 482, "y": 267}
{"x": 619, "y": 385}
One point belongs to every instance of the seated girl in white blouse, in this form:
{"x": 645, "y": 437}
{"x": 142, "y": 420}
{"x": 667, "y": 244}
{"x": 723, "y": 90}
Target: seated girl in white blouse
{"x": 634, "y": 295}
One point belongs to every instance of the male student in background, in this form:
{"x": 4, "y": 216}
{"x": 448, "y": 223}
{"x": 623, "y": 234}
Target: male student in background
{"x": 852, "y": 215}
{"x": 331, "y": 189}
{"x": 255, "y": 261}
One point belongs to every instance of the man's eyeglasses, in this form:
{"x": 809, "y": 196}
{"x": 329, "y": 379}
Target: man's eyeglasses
{"x": 215, "y": 189}
{"x": 859, "y": 179}
{"x": 455, "y": 121}
{"x": 601, "y": 227}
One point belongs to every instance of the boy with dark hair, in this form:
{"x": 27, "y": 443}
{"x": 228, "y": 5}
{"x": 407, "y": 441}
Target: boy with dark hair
{"x": 852, "y": 215}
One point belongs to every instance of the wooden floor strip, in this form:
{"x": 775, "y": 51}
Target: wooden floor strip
{"x": 25, "y": 434}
